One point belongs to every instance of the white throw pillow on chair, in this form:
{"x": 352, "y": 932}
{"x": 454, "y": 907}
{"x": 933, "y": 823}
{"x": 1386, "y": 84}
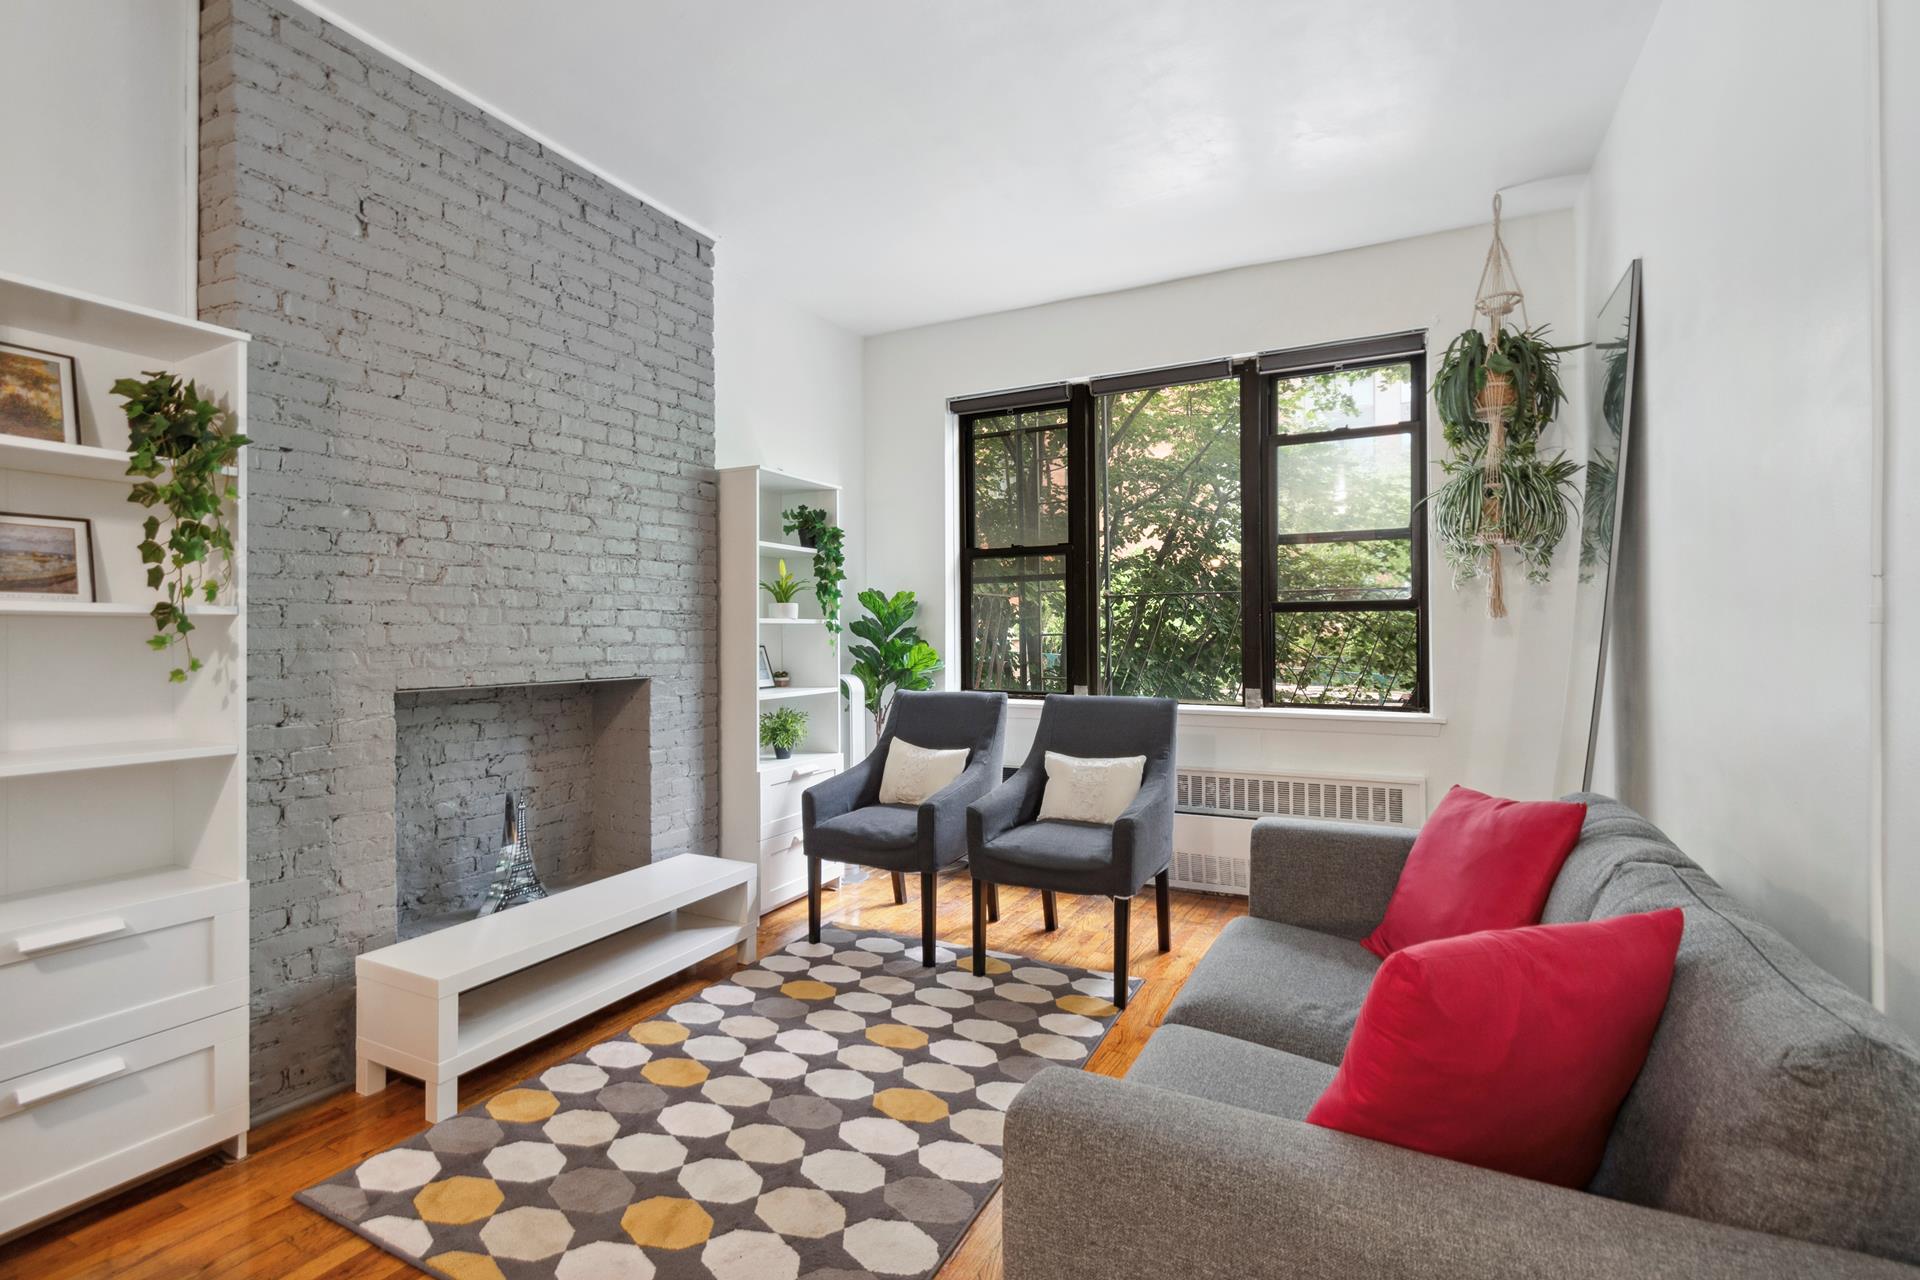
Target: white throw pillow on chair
{"x": 1088, "y": 790}
{"x": 915, "y": 773}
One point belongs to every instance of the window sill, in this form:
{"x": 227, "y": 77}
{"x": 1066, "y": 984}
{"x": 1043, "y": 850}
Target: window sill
{"x": 1404, "y": 724}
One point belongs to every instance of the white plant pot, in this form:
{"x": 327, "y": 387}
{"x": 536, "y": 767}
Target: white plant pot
{"x": 784, "y": 610}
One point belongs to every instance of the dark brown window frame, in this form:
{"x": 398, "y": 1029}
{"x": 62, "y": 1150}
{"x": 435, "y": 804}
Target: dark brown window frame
{"x": 1260, "y": 442}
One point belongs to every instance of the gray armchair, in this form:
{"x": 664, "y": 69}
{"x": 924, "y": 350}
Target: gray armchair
{"x": 1006, "y": 845}
{"x": 844, "y": 821}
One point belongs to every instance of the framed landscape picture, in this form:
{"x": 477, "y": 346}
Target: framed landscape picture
{"x": 36, "y": 395}
{"x": 47, "y": 558}
{"x": 766, "y": 669}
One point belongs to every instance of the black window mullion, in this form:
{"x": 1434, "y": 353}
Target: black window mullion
{"x": 1082, "y": 638}
{"x": 1257, "y": 570}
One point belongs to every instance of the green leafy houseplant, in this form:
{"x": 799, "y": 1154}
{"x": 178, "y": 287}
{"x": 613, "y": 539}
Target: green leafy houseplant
{"x": 182, "y": 446}
{"x": 1529, "y": 507}
{"x": 785, "y": 587}
{"x": 781, "y": 729}
{"x": 894, "y": 656}
{"x": 814, "y": 529}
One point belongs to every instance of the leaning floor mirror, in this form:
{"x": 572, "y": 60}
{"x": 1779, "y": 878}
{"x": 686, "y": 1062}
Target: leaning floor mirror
{"x": 1609, "y": 378}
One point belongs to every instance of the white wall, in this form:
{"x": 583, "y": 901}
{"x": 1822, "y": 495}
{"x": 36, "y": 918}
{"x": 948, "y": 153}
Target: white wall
{"x": 1737, "y": 167}
{"x": 1900, "y": 155}
{"x": 787, "y": 396}
{"x": 99, "y": 100}
{"x": 1498, "y": 686}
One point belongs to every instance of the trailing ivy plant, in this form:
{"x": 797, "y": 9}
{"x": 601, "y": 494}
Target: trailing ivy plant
{"x": 182, "y": 446}
{"x": 814, "y": 529}
{"x": 1536, "y": 494}
{"x": 894, "y": 657}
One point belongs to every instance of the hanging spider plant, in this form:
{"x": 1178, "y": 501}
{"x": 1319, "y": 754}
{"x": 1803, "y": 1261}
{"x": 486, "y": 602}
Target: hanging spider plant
{"x": 1534, "y": 510}
{"x": 1525, "y": 358}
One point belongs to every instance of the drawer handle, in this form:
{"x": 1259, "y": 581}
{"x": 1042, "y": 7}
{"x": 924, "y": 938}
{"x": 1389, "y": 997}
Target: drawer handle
{"x": 67, "y": 934}
{"x": 808, "y": 773}
{"x": 79, "y": 1078}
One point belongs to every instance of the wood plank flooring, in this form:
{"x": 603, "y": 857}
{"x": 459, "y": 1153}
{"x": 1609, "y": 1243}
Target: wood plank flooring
{"x": 210, "y": 1218}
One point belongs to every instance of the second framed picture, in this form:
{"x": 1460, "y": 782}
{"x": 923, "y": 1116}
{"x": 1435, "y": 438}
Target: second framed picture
{"x": 766, "y": 669}
{"x": 46, "y": 558}
{"x": 36, "y": 396}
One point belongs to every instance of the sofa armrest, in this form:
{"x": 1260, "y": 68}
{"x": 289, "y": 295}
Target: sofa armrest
{"x": 1107, "y": 1178}
{"x": 840, "y": 794}
{"x": 1332, "y": 877}
{"x": 1004, "y": 808}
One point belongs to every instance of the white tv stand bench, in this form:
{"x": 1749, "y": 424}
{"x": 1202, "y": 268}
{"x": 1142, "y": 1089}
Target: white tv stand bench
{"x": 435, "y": 1006}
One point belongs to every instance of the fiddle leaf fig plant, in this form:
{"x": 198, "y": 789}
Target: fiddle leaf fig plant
{"x": 814, "y": 529}
{"x": 183, "y": 448}
{"x": 894, "y": 656}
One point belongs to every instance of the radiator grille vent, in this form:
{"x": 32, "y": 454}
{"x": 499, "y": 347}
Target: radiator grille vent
{"x": 1256, "y": 795}
{"x": 1219, "y": 873}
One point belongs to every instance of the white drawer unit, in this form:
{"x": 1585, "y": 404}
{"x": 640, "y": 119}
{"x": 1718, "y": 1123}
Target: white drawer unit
{"x": 123, "y": 797}
{"x": 783, "y": 862}
{"x": 75, "y": 1130}
{"x": 88, "y": 971}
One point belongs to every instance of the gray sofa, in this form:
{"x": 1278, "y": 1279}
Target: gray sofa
{"x": 1774, "y": 1131}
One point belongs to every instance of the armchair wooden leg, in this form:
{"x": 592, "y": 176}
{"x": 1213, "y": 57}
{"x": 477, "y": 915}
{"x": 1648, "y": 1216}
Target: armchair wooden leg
{"x": 993, "y": 903}
{"x": 1122, "y": 916}
{"x": 1163, "y": 905}
{"x": 813, "y": 898}
{"x": 979, "y": 928}
{"x": 928, "y": 894}
{"x": 899, "y": 887}
{"x": 1049, "y": 910}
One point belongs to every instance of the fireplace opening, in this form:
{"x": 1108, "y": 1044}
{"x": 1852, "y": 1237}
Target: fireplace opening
{"x": 567, "y": 761}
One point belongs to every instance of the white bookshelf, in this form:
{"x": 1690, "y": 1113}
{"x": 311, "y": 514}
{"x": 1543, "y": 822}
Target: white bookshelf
{"x": 123, "y": 872}
{"x": 760, "y": 796}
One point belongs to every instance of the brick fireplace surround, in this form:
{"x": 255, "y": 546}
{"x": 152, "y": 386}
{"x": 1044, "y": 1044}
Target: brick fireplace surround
{"x": 481, "y": 388}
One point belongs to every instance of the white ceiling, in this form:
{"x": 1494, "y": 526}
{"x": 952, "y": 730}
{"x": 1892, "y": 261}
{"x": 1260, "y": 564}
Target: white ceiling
{"x": 887, "y": 163}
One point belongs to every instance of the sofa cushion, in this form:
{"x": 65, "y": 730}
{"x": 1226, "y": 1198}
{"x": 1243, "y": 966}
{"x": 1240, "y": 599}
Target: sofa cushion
{"x": 1773, "y": 1097}
{"x": 1509, "y": 1049}
{"x": 1479, "y": 862}
{"x": 1204, "y": 1064}
{"x": 1280, "y": 986}
{"x": 1611, "y": 835}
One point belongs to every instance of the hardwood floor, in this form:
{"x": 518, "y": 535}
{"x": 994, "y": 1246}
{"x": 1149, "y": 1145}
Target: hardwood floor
{"x": 210, "y": 1218}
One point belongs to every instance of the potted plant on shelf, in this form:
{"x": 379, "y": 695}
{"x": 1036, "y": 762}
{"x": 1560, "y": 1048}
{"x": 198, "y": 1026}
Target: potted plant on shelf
{"x": 894, "y": 657}
{"x": 781, "y": 679}
{"x": 785, "y": 589}
{"x": 815, "y": 530}
{"x": 183, "y": 447}
{"x": 781, "y": 729}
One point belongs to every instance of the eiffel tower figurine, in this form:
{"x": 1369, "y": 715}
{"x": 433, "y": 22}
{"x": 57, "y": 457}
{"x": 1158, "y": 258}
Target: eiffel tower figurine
{"x": 515, "y": 881}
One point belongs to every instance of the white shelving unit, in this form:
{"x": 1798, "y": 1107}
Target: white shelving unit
{"x": 760, "y": 796}
{"x": 123, "y": 868}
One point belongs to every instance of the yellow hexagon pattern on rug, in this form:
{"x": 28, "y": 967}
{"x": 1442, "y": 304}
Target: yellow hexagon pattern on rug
{"x": 910, "y": 1106}
{"x": 667, "y": 1222}
{"x": 895, "y": 1036}
{"x": 808, "y": 989}
{"x": 468, "y": 1266}
{"x": 458, "y": 1200}
{"x": 1087, "y": 1006}
{"x": 658, "y": 1033}
{"x": 675, "y": 1073}
{"x": 994, "y": 964}
{"x": 522, "y": 1106}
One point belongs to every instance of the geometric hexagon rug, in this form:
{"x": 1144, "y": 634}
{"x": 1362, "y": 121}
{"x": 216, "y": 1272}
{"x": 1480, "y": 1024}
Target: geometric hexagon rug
{"x": 831, "y": 1113}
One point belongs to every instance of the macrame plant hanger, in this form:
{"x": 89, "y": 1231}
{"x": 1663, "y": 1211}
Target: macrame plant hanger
{"x": 1497, "y": 298}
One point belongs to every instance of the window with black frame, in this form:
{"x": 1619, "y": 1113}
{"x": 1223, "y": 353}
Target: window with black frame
{"x": 1018, "y": 547}
{"x": 1345, "y": 461}
{"x": 1107, "y": 529}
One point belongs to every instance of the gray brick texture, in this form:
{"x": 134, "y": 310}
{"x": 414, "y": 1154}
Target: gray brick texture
{"x": 481, "y": 387}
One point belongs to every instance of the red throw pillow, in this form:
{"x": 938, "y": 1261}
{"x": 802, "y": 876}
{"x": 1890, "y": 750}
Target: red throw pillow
{"x": 1510, "y": 1049}
{"x": 1479, "y": 863}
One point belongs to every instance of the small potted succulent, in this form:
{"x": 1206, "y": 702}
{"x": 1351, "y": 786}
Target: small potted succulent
{"x": 785, "y": 590}
{"x": 781, "y": 729}
{"x": 781, "y": 679}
